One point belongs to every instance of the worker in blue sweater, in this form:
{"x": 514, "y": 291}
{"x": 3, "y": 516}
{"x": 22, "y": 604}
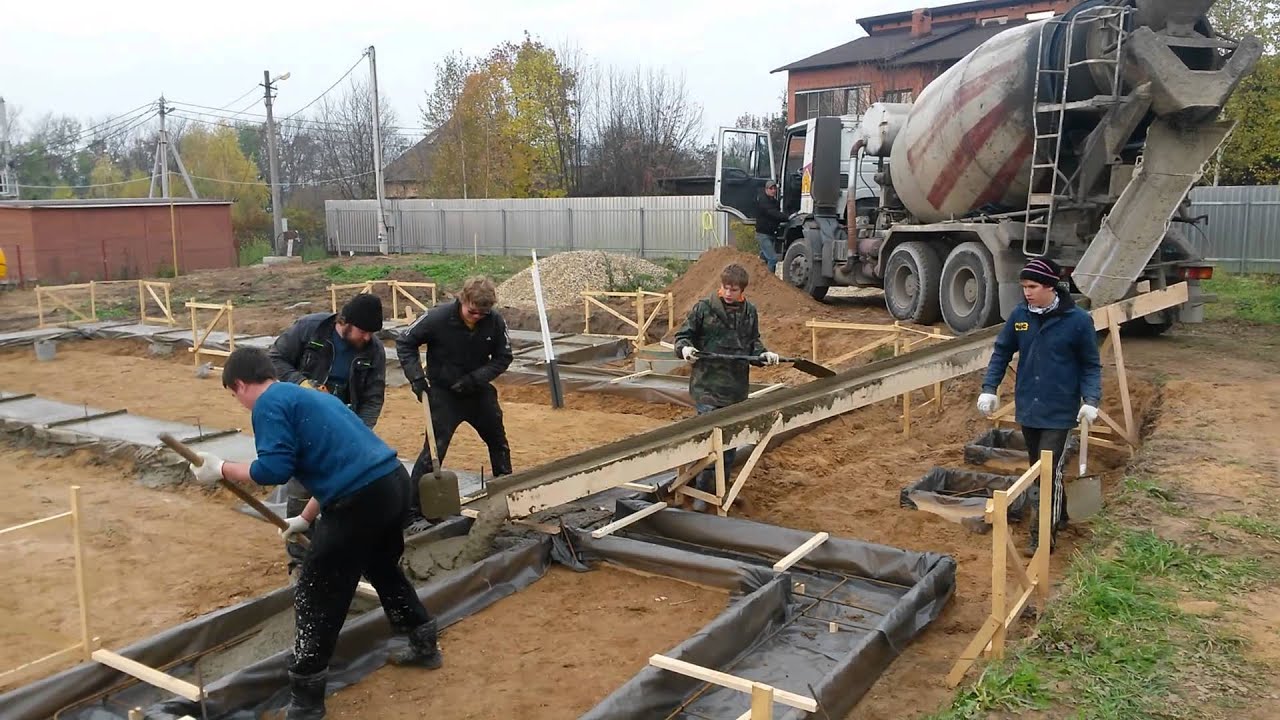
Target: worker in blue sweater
{"x": 1059, "y": 381}
{"x": 359, "y": 499}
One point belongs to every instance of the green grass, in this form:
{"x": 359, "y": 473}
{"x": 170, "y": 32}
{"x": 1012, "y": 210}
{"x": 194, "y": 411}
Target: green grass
{"x": 253, "y": 250}
{"x": 1252, "y": 525}
{"x": 340, "y": 274}
{"x": 1114, "y": 644}
{"x": 449, "y": 271}
{"x": 115, "y": 312}
{"x": 1248, "y": 298}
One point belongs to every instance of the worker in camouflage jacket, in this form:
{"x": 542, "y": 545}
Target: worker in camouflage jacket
{"x": 726, "y": 324}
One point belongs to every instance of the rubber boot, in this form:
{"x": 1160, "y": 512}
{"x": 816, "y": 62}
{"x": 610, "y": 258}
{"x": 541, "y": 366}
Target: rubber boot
{"x": 423, "y": 650}
{"x": 306, "y": 696}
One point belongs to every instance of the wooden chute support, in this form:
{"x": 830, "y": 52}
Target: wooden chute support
{"x": 725, "y": 494}
{"x": 86, "y": 648}
{"x": 1033, "y": 579}
{"x": 148, "y": 288}
{"x": 398, "y": 291}
{"x": 644, "y": 315}
{"x": 198, "y": 338}
{"x": 903, "y": 339}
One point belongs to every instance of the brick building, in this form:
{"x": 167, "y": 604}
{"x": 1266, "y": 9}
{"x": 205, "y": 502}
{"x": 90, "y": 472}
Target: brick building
{"x": 900, "y": 54}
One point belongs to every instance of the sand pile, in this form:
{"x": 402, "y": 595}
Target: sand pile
{"x": 566, "y": 274}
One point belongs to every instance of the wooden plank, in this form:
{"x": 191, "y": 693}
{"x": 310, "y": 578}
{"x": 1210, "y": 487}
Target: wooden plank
{"x": 364, "y": 589}
{"x": 756, "y": 453}
{"x": 82, "y": 590}
{"x": 691, "y": 472}
{"x": 705, "y": 497}
{"x": 717, "y": 447}
{"x": 1102, "y": 414}
{"x": 732, "y": 682}
{"x": 615, "y": 313}
{"x": 761, "y": 702}
{"x": 632, "y": 376}
{"x": 969, "y": 655}
{"x": 1122, "y": 377}
{"x": 641, "y": 487}
{"x": 1019, "y": 572}
{"x": 1031, "y": 475}
{"x": 799, "y": 553}
{"x": 1140, "y": 305}
{"x": 634, "y": 517}
{"x": 766, "y": 390}
{"x": 34, "y": 523}
{"x": 830, "y": 325}
{"x": 54, "y": 657}
{"x": 864, "y": 349}
{"x": 149, "y": 675}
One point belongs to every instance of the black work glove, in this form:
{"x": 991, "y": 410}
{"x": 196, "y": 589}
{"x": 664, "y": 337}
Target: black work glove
{"x": 419, "y": 387}
{"x": 465, "y": 385}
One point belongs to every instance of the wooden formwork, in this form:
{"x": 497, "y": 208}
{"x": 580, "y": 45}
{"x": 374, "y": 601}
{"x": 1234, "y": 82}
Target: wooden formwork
{"x": 86, "y": 648}
{"x": 1032, "y": 579}
{"x": 644, "y": 316}
{"x": 198, "y": 339}
{"x": 59, "y": 296}
{"x": 148, "y": 288}
{"x": 399, "y": 294}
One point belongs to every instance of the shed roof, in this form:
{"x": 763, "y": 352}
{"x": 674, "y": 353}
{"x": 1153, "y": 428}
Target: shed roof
{"x": 106, "y": 202}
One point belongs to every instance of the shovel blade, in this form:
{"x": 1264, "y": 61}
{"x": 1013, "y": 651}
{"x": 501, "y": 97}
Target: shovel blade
{"x": 438, "y": 495}
{"x": 1084, "y": 497}
{"x": 812, "y": 368}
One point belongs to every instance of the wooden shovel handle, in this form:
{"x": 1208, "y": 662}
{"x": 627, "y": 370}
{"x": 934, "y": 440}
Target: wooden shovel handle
{"x": 190, "y": 455}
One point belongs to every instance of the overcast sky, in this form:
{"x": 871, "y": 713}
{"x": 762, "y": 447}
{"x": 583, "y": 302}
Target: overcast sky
{"x": 92, "y": 59}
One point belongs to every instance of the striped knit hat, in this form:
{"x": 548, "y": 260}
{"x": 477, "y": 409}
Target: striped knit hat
{"x": 1043, "y": 271}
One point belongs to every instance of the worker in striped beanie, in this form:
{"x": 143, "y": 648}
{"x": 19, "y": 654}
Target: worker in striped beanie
{"x": 1059, "y": 381}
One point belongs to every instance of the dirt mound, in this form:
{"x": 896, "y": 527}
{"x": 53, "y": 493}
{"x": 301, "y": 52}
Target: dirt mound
{"x": 566, "y": 274}
{"x": 771, "y": 296}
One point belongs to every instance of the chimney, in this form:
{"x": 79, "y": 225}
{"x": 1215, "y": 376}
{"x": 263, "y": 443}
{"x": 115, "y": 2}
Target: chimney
{"x": 921, "y": 22}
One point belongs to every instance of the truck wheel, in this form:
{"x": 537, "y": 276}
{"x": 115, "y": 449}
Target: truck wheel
{"x": 798, "y": 270}
{"x": 970, "y": 293}
{"x": 911, "y": 282}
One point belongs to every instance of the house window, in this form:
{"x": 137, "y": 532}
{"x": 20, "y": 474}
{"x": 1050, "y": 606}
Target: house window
{"x": 851, "y": 100}
{"x": 1032, "y": 17}
{"x": 899, "y": 96}
{"x": 1001, "y": 20}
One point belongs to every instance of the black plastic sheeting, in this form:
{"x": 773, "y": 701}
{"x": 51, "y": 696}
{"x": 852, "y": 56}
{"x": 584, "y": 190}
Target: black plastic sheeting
{"x": 773, "y": 631}
{"x": 1006, "y": 445}
{"x": 960, "y": 495}
{"x": 881, "y": 597}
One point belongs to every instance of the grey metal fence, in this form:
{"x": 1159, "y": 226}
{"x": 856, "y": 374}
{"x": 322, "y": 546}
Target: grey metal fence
{"x": 1243, "y": 229}
{"x": 655, "y": 227}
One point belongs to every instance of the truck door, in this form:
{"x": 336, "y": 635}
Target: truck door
{"x": 744, "y": 161}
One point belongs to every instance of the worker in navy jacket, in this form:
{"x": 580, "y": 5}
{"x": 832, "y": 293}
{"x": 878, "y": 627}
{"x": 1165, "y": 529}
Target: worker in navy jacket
{"x": 1059, "y": 380}
{"x": 360, "y": 494}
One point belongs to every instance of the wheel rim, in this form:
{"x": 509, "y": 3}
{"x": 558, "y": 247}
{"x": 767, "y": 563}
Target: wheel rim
{"x": 799, "y": 270}
{"x": 964, "y": 291}
{"x": 905, "y": 286}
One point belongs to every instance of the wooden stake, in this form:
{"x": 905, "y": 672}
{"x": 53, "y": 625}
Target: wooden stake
{"x": 750, "y": 465}
{"x": 82, "y": 592}
{"x": 761, "y": 702}
{"x": 717, "y": 446}
{"x": 1122, "y": 377}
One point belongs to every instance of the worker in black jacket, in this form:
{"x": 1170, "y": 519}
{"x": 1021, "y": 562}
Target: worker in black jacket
{"x": 467, "y": 348}
{"x": 338, "y": 353}
{"x": 768, "y": 218}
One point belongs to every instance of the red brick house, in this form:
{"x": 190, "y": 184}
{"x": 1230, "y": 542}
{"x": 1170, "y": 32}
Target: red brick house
{"x": 900, "y": 54}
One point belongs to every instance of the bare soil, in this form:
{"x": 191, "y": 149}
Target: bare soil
{"x": 553, "y": 650}
{"x": 152, "y": 559}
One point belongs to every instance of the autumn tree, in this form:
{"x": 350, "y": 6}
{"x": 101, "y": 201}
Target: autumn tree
{"x": 342, "y": 133}
{"x": 1238, "y": 18}
{"x": 1251, "y": 156}
{"x": 220, "y": 169}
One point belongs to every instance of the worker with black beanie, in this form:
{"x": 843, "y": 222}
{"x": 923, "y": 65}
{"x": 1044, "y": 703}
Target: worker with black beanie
{"x": 338, "y": 353}
{"x": 1059, "y": 380}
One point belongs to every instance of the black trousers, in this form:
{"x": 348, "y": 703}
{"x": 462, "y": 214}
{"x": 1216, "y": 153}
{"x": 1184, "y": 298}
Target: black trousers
{"x": 1055, "y": 441}
{"x": 355, "y": 535}
{"x": 480, "y": 410}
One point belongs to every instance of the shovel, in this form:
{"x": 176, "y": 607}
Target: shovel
{"x": 1084, "y": 494}
{"x": 438, "y": 492}
{"x": 804, "y": 365}
{"x": 190, "y": 456}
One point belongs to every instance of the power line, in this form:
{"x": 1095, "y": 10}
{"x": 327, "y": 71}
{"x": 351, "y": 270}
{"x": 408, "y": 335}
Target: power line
{"x": 214, "y": 112}
{"x": 327, "y": 90}
{"x": 300, "y": 183}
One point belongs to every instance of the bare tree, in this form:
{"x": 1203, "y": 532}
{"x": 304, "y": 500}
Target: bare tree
{"x": 343, "y": 136}
{"x": 440, "y": 114}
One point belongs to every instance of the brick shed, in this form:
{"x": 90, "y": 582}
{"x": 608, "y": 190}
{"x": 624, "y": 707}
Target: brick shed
{"x": 68, "y": 241}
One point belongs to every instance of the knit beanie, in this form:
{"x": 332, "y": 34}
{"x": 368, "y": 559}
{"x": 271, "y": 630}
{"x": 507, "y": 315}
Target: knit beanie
{"x": 1043, "y": 271}
{"x": 364, "y": 311}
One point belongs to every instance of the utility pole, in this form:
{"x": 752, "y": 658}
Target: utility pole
{"x": 273, "y": 161}
{"x": 162, "y": 160}
{"x": 377, "y": 153}
{"x": 8, "y": 188}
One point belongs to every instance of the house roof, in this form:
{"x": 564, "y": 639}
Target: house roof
{"x": 408, "y": 167}
{"x": 106, "y": 202}
{"x": 940, "y": 12}
{"x": 947, "y": 42}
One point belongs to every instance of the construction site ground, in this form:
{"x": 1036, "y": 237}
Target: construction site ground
{"x": 1205, "y": 397}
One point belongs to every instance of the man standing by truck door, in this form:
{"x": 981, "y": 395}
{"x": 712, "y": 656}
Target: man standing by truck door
{"x": 768, "y": 218}
{"x": 726, "y": 324}
{"x": 467, "y": 348}
{"x": 1059, "y": 381}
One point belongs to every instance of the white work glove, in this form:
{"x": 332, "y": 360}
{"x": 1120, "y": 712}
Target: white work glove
{"x": 769, "y": 358}
{"x": 987, "y": 404}
{"x": 296, "y": 526}
{"x": 1088, "y": 414}
{"x": 211, "y": 469}
{"x": 688, "y": 353}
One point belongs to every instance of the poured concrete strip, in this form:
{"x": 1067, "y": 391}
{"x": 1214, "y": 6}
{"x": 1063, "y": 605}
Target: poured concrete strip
{"x": 27, "y": 337}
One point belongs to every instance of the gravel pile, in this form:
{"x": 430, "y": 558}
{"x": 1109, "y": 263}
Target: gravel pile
{"x": 566, "y": 274}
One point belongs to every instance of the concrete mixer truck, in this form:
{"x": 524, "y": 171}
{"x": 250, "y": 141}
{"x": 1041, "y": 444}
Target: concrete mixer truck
{"x": 1077, "y": 138}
